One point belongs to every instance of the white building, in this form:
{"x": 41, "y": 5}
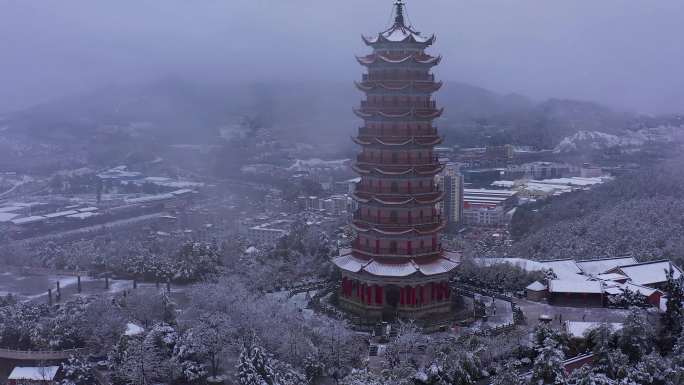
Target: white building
{"x": 483, "y": 207}
{"x": 269, "y": 233}
{"x": 450, "y": 181}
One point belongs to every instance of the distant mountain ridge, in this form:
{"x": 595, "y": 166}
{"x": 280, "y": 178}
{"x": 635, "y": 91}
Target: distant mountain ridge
{"x": 174, "y": 111}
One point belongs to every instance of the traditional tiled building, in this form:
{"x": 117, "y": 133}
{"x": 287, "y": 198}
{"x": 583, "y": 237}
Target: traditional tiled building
{"x": 396, "y": 266}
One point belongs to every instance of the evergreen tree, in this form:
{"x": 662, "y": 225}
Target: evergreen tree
{"x": 607, "y": 360}
{"x": 673, "y": 319}
{"x": 636, "y": 337}
{"x": 254, "y": 366}
{"x": 676, "y": 372}
{"x": 508, "y": 376}
{"x": 548, "y": 366}
{"x": 77, "y": 372}
{"x": 585, "y": 376}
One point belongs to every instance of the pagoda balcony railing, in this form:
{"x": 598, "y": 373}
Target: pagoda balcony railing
{"x": 398, "y": 133}
{"x": 387, "y": 190}
{"x": 401, "y": 221}
{"x": 413, "y": 252}
{"x": 389, "y": 106}
{"x": 398, "y": 78}
{"x": 383, "y": 161}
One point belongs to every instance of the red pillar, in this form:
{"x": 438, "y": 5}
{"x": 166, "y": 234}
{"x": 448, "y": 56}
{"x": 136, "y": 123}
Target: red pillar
{"x": 402, "y": 300}
{"x": 378, "y": 295}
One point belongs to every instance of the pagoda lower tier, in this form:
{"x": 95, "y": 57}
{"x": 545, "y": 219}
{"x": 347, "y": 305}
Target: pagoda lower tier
{"x": 386, "y": 288}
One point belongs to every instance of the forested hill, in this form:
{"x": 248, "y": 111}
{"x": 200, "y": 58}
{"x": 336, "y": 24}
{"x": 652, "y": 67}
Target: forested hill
{"x": 640, "y": 214}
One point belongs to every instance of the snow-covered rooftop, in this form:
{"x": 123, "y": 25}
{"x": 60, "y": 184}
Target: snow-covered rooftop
{"x": 34, "y": 373}
{"x": 9, "y": 209}
{"x": 83, "y": 215}
{"x": 578, "y": 329}
{"x": 649, "y": 272}
{"x": 61, "y": 214}
{"x": 353, "y": 264}
{"x": 27, "y": 220}
{"x": 600, "y": 266}
{"x": 565, "y": 269}
{"x": 150, "y": 198}
{"x": 133, "y": 329}
{"x": 575, "y": 286}
{"x": 611, "y": 277}
{"x": 536, "y": 286}
{"x": 6, "y": 217}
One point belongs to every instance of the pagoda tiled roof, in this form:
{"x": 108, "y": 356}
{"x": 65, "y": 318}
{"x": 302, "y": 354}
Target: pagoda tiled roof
{"x": 442, "y": 264}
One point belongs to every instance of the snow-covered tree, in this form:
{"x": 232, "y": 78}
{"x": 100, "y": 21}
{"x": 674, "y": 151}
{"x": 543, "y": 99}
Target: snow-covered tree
{"x": 363, "y": 377}
{"x": 257, "y": 367}
{"x": 77, "y": 372}
{"x": 401, "y": 349}
{"x": 636, "y": 336}
{"x": 673, "y": 318}
{"x": 548, "y": 366}
{"x": 676, "y": 373}
{"x": 508, "y": 376}
{"x": 608, "y": 359}
{"x": 210, "y": 337}
{"x": 585, "y": 376}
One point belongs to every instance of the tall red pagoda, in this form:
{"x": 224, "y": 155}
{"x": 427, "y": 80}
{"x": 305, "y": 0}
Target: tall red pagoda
{"x": 396, "y": 266}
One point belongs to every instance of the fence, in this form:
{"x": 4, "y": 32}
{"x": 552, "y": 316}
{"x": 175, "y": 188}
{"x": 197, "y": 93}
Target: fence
{"x": 39, "y": 355}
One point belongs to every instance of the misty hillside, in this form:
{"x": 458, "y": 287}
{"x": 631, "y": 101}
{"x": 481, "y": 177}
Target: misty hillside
{"x": 114, "y": 122}
{"x": 637, "y": 214}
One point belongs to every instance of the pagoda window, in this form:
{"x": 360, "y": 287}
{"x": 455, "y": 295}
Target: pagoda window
{"x": 367, "y": 243}
{"x": 420, "y": 185}
{"x": 393, "y": 247}
{"x": 422, "y": 243}
{"x": 421, "y": 214}
{"x": 393, "y": 216}
{"x": 394, "y": 187}
{"x": 395, "y": 157}
{"x": 420, "y": 156}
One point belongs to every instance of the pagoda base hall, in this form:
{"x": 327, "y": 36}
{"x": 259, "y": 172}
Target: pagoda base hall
{"x": 413, "y": 291}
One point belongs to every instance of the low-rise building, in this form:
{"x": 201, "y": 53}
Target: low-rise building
{"x": 483, "y": 207}
{"x": 35, "y": 375}
{"x": 269, "y": 233}
{"x": 652, "y": 274}
{"x": 567, "y": 292}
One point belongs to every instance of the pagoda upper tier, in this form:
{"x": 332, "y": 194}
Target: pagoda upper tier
{"x": 399, "y": 32}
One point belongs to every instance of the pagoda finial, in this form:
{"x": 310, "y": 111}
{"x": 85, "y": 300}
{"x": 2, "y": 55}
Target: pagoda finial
{"x": 399, "y": 18}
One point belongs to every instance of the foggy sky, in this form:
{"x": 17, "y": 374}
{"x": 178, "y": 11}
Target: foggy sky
{"x": 625, "y": 53}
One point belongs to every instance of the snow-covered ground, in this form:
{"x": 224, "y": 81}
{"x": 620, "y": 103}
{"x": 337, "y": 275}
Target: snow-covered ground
{"x": 299, "y": 301}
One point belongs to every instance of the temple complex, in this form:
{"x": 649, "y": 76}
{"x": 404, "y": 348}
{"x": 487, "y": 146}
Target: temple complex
{"x": 396, "y": 266}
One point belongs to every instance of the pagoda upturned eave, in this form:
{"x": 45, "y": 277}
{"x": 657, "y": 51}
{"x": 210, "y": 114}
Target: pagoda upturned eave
{"x": 375, "y": 58}
{"x": 422, "y": 141}
{"x": 426, "y": 86}
{"x": 392, "y": 113}
{"x": 442, "y": 264}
